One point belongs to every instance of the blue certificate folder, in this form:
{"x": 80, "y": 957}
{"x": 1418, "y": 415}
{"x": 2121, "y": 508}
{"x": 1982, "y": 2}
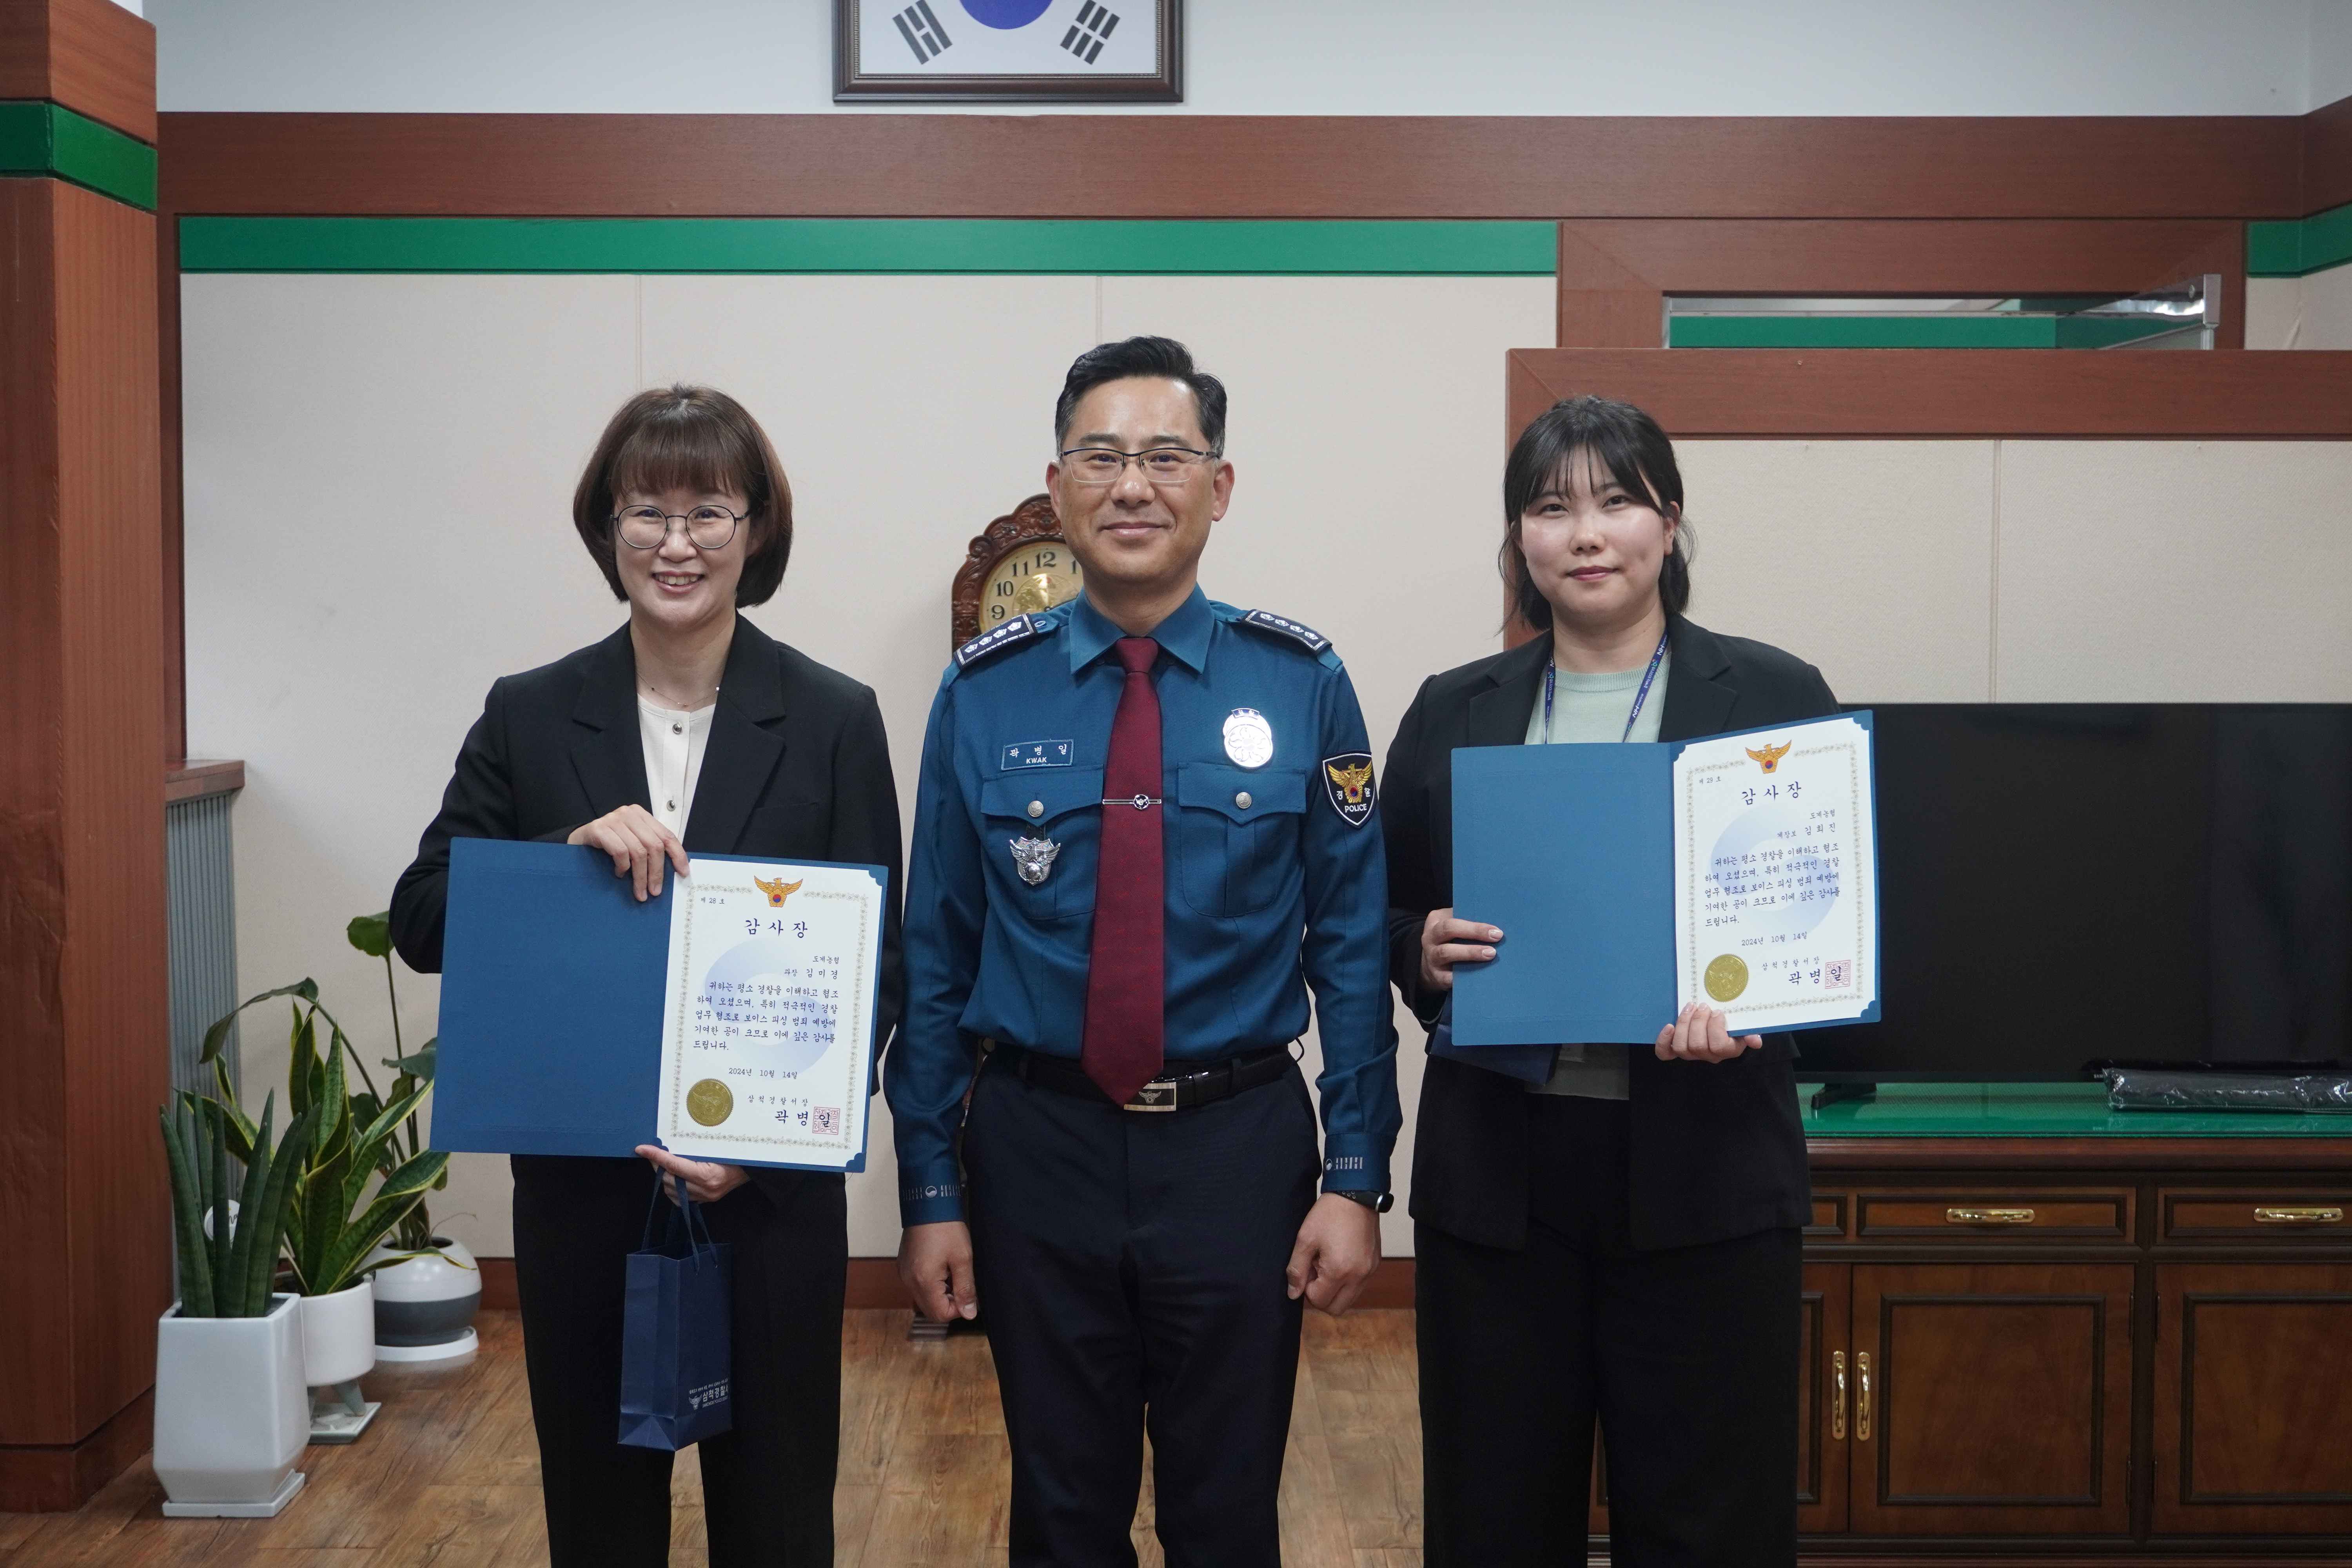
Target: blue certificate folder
{"x": 551, "y": 1002}
{"x": 1571, "y": 849}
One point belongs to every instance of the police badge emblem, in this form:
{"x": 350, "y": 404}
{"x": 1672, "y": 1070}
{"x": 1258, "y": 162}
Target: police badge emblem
{"x": 1348, "y": 785}
{"x": 1249, "y": 739}
{"x": 1034, "y": 858}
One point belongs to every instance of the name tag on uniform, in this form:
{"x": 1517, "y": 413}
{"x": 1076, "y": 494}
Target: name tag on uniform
{"x": 1036, "y": 754}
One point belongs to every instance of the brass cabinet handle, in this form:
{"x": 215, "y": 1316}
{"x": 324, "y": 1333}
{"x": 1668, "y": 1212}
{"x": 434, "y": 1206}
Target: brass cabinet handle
{"x": 2309, "y": 1214}
{"x": 1862, "y": 1404}
{"x": 1988, "y": 1216}
{"x": 1837, "y": 1405}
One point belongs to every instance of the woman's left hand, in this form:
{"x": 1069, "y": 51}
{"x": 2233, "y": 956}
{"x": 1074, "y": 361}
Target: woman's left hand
{"x": 706, "y": 1180}
{"x": 1698, "y": 1035}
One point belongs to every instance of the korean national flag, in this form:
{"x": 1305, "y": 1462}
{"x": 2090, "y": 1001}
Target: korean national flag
{"x": 1007, "y": 37}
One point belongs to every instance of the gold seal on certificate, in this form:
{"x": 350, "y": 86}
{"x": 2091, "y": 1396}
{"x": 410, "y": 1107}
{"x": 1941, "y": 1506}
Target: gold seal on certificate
{"x": 1727, "y": 977}
{"x": 767, "y": 1015}
{"x": 711, "y": 1102}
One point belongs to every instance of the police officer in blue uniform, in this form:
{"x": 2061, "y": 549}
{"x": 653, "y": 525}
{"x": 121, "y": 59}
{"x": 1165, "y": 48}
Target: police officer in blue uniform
{"x": 1146, "y": 825}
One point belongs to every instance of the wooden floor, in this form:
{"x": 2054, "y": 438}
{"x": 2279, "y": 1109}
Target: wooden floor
{"x": 449, "y": 1474}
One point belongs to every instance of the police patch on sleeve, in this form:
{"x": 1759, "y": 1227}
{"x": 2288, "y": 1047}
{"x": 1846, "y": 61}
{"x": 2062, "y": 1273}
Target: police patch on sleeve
{"x": 1347, "y": 785}
{"x": 1020, "y": 628}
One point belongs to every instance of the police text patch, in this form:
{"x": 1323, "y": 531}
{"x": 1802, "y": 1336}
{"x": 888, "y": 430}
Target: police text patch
{"x": 1347, "y": 785}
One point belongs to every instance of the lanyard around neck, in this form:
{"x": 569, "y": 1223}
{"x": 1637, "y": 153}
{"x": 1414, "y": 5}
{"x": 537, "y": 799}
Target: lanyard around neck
{"x": 1640, "y": 697}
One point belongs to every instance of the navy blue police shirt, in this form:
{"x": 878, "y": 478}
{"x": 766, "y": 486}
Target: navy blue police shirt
{"x": 1275, "y": 879}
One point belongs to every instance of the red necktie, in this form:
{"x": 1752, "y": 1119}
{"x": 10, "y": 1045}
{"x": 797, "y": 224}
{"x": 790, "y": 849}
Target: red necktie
{"x": 1127, "y": 977}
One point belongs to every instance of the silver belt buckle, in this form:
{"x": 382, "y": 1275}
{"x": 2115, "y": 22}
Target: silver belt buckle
{"x": 1159, "y": 1094}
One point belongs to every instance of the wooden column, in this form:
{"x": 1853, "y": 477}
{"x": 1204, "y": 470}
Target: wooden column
{"x": 84, "y": 1058}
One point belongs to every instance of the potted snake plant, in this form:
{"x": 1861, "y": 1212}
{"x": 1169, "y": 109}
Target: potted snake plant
{"x": 351, "y": 1189}
{"x": 230, "y": 1412}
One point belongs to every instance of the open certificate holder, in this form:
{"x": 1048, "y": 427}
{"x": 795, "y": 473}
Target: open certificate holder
{"x": 731, "y": 1019}
{"x": 1741, "y": 870}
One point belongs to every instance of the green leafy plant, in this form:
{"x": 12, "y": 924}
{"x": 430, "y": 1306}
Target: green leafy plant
{"x": 228, "y": 1273}
{"x": 335, "y": 1220}
{"x": 371, "y": 934}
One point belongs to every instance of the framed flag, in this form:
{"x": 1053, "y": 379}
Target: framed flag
{"x": 1008, "y": 51}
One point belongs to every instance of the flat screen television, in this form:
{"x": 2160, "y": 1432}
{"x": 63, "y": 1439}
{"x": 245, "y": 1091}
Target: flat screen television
{"x": 2067, "y": 885}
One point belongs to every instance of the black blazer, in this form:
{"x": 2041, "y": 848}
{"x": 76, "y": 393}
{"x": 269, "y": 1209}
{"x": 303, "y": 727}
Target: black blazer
{"x": 798, "y": 769}
{"x": 1718, "y": 1149}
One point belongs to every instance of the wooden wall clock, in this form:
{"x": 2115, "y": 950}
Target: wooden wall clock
{"x": 1016, "y": 566}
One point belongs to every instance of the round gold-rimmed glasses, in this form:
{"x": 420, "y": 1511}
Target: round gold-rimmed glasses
{"x": 645, "y": 527}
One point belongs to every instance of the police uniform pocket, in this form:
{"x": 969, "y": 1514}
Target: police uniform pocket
{"x": 1237, "y": 836}
{"x": 1045, "y": 831}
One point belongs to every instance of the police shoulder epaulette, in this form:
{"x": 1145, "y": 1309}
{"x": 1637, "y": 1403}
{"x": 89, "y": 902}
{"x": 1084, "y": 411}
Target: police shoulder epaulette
{"x": 1305, "y": 637}
{"x": 1011, "y": 633}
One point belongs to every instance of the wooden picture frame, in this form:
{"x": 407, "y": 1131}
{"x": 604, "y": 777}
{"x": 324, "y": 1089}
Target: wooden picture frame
{"x": 1013, "y": 51}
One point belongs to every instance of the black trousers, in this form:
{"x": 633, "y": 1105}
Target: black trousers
{"x": 1688, "y": 1356}
{"x": 1130, "y": 1273}
{"x": 767, "y": 1485}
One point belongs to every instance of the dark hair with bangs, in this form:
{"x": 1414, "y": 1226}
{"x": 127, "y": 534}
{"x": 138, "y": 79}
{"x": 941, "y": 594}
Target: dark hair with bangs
{"x": 1143, "y": 356}
{"x": 1619, "y": 441}
{"x": 696, "y": 438}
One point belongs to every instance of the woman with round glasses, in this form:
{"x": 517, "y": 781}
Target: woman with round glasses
{"x": 687, "y": 731}
{"x": 1599, "y": 1229}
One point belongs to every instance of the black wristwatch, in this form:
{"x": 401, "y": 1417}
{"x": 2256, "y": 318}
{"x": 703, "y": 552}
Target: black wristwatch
{"x": 1378, "y": 1203}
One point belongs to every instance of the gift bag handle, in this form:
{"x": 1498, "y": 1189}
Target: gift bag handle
{"x": 686, "y": 1210}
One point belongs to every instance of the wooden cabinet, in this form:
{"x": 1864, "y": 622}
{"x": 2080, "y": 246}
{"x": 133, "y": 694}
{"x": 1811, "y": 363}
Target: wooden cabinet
{"x": 1992, "y": 1399}
{"x": 2253, "y": 1398}
{"x": 2069, "y": 1349}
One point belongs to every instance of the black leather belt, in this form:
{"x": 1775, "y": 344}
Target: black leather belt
{"x": 1172, "y": 1092}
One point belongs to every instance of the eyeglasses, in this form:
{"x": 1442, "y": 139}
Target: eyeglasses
{"x": 1160, "y": 465}
{"x": 646, "y": 527}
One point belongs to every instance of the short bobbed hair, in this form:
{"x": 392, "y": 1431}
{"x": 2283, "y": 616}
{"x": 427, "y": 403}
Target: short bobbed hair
{"x": 1107, "y": 362}
{"x": 1621, "y": 443}
{"x": 696, "y": 438}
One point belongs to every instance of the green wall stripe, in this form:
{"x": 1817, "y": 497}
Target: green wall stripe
{"x": 1259, "y": 247}
{"x": 2295, "y": 247}
{"x": 47, "y": 139}
{"x": 1903, "y": 331}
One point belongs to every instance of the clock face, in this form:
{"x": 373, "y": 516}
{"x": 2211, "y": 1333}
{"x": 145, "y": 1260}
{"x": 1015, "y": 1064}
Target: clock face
{"x": 1036, "y": 576}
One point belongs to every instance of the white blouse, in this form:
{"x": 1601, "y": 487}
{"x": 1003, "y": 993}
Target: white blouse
{"x": 675, "y": 742}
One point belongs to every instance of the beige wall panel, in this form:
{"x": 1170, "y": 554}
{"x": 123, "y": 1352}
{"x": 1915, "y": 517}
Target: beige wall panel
{"x": 2274, "y": 313}
{"x": 909, "y": 412}
{"x": 2175, "y": 571}
{"x": 1870, "y": 560}
{"x": 378, "y": 478}
{"x": 2327, "y": 309}
{"x": 1366, "y": 436}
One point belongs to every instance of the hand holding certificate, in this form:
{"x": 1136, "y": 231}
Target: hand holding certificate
{"x": 730, "y": 1019}
{"x": 1739, "y": 872}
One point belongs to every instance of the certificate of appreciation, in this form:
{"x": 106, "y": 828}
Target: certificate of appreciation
{"x": 767, "y": 1025}
{"x": 1631, "y": 880}
{"x": 1776, "y": 877}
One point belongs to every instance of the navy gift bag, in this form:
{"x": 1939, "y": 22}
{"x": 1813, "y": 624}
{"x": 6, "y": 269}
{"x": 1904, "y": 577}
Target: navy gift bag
{"x": 674, "y": 1349}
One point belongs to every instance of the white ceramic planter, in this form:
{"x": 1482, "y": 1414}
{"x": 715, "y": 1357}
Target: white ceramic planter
{"x": 232, "y": 1412}
{"x": 338, "y": 1335}
{"x": 425, "y": 1307}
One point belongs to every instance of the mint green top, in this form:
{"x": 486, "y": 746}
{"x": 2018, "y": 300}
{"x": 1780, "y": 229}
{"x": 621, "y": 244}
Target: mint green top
{"x": 1589, "y": 710}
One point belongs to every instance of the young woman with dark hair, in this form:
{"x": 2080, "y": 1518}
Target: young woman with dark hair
{"x": 1599, "y": 1229}
{"x": 687, "y": 730}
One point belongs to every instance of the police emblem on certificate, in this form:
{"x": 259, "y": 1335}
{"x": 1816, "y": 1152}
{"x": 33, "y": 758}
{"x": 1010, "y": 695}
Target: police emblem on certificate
{"x": 1776, "y": 876}
{"x": 767, "y": 1013}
